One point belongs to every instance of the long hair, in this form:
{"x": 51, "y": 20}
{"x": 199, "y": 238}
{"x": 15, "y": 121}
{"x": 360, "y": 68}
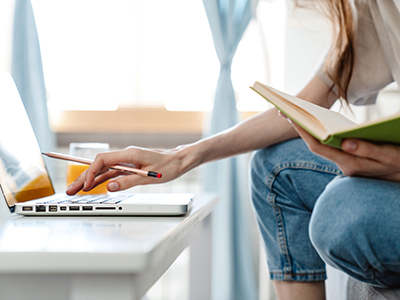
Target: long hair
{"x": 340, "y": 59}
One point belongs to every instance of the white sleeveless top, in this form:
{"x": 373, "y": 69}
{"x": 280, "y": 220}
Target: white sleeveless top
{"x": 377, "y": 50}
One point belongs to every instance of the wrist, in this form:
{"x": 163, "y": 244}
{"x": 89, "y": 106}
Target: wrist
{"x": 191, "y": 155}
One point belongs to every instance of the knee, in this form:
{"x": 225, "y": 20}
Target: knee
{"x": 265, "y": 160}
{"x": 346, "y": 227}
{"x": 257, "y": 164}
{"x": 334, "y": 222}
{"x": 259, "y": 169}
{"x": 262, "y": 163}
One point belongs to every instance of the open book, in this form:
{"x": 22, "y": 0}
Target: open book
{"x": 328, "y": 126}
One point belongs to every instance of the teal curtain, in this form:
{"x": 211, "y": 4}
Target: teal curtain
{"x": 234, "y": 261}
{"x": 27, "y": 71}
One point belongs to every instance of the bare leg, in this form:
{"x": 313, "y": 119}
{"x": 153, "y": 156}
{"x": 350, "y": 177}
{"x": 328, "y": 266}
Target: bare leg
{"x": 290, "y": 290}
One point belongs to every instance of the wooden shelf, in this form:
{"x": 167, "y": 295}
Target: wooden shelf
{"x": 131, "y": 120}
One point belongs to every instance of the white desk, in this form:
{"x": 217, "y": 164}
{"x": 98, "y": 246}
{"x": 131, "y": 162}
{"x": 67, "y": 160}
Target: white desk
{"x": 101, "y": 258}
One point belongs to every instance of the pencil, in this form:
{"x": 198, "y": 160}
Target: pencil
{"x": 115, "y": 167}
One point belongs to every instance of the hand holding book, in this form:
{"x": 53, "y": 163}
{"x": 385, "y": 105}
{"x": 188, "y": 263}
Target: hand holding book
{"x": 356, "y": 156}
{"x": 328, "y": 126}
{"x": 359, "y": 158}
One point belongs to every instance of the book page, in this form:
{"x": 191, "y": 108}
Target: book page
{"x": 331, "y": 120}
{"x": 296, "y": 114}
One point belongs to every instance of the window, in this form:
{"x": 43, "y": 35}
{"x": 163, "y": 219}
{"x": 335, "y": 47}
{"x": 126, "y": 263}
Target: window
{"x": 109, "y": 54}
{"x": 105, "y": 55}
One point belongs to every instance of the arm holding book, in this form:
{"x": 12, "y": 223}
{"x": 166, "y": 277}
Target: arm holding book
{"x": 261, "y": 131}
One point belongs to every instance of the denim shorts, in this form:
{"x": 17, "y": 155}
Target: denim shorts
{"x": 309, "y": 215}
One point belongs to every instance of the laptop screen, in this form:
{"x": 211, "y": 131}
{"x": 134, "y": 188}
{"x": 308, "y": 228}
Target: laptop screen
{"x": 23, "y": 175}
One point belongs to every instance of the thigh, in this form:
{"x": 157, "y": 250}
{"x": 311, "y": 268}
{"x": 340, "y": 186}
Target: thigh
{"x": 287, "y": 179}
{"x": 355, "y": 227}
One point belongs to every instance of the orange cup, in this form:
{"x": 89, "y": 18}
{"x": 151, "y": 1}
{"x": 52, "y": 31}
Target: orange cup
{"x": 85, "y": 150}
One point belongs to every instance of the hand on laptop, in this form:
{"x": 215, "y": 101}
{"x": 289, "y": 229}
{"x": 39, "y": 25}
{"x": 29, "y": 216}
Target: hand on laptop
{"x": 162, "y": 161}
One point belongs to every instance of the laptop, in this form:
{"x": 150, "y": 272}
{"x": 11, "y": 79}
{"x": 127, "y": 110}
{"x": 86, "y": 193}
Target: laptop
{"x": 26, "y": 186}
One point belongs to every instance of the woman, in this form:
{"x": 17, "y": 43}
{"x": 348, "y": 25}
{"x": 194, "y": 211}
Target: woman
{"x": 314, "y": 207}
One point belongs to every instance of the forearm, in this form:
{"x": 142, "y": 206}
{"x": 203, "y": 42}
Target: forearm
{"x": 258, "y": 132}
{"x": 263, "y": 130}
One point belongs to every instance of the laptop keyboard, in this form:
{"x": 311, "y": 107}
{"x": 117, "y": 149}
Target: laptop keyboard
{"x": 87, "y": 199}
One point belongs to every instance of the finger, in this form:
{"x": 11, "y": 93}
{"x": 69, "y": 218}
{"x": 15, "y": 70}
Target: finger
{"x": 90, "y": 185}
{"x": 103, "y": 178}
{"x": 361, "y": 148}
{"x": 80, "y": 181}
{"x": 391, "y": 177}
{"x": 316, "y": 146}
{"x": 77, "y": 185}
{"x": 385, "y": 153}
{"x": 358, "y": 158}
{"x": 347, "y": 162}
{"x": 102, "y": 162}
{"x": 350, "y": 164}
{"x": 128, "y": 181}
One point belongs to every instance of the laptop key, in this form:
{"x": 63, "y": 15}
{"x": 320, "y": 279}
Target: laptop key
{"x": 113, "y": 201}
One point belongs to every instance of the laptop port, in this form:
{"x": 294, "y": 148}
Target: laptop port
{"x": 53, "y": 208}
{"x": 27, "y": 208}
{"x": 74, "y": 208}
{"x": 40, "y": 208}
{"x": 105, "y": 208}
{"x": 63, "y": 208}
{"x": 87, "y": 207}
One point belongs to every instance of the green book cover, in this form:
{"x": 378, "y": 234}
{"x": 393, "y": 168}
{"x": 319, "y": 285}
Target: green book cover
{"x": 328, "y": 126}
{"x": 385, "y": 131}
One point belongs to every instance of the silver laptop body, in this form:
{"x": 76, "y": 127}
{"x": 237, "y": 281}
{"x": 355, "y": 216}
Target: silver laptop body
{"x": 121, "y": 204}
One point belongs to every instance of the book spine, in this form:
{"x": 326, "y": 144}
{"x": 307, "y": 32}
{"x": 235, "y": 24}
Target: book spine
{"x": 333, "y": 141}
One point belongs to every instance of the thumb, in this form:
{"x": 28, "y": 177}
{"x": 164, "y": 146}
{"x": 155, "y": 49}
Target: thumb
{"x": 350, "y": 145}
{"x": 362, "y": 148}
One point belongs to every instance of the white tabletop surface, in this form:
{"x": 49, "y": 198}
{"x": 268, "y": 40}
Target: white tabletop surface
{"x": 93, "y": 244}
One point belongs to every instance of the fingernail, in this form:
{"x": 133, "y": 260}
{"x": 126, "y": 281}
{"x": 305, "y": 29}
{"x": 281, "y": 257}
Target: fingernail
{"x": 113, "y": 186}
{"x": 350, "y": 145}
{"x": 70, "y": 186}
{"x": 85, "y": 187}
